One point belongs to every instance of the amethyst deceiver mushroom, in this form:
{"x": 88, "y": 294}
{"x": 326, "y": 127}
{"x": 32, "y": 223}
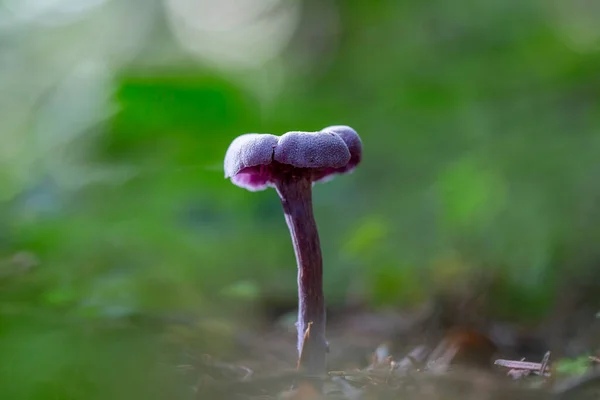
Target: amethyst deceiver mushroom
{"x": 291, "y": 163}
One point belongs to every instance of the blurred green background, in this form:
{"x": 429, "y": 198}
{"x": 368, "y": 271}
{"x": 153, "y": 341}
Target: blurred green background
{"x": 480, "y": 122}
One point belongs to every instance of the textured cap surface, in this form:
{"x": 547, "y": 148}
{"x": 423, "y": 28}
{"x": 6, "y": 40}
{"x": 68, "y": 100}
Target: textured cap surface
{"x": 249, "y": 150}
{"x": 252, "y": 159}
{"x": 312, "y": 150}
{"x": 352, "y": 140}
{"x": 354, "y": 144}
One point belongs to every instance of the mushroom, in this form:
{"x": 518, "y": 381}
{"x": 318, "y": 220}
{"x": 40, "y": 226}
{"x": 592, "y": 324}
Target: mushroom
{"x": 291, "y": 163}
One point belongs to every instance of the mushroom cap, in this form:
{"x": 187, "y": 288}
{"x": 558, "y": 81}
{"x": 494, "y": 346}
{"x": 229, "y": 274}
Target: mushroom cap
{"x": 354, "y": 144}
{"x": 253, "y": 160}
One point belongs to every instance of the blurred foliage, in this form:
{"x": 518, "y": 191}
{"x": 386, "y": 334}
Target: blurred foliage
{"x": 574, "y": 366}
{"x": 480, "y": 125}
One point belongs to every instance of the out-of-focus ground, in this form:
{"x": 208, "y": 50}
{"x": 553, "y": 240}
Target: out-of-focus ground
{"x": 124, "y": 251}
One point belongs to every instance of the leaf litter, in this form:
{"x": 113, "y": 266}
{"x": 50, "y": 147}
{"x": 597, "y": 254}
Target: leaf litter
{"x": 416, "y": 375}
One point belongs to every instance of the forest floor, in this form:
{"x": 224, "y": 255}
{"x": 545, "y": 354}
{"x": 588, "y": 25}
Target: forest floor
{"x": 394, "y": 356}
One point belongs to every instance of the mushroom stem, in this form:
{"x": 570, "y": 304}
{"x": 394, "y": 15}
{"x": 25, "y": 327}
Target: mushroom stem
{"x": 295, "y": 192}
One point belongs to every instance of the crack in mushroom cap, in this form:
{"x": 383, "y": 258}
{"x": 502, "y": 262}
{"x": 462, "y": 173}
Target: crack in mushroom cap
{"x": 251, "y": 159}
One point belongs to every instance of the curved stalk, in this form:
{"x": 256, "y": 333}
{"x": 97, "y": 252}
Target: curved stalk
{"x": 295, "y": 192}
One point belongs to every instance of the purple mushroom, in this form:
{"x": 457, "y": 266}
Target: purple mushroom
{"x": 291, "y": 163}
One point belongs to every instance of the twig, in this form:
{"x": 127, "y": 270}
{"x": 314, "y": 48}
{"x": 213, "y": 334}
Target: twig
{"x": 304, "y": 346}
{"x": 544, "y": 364}
{"x": 524, "y": 366}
